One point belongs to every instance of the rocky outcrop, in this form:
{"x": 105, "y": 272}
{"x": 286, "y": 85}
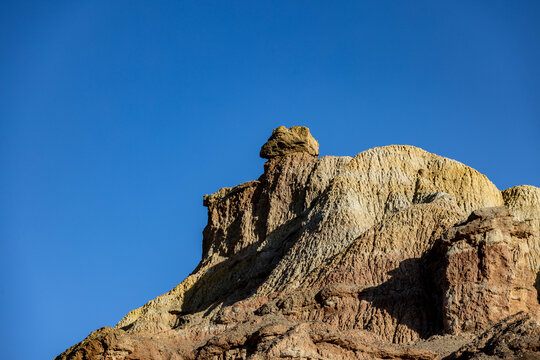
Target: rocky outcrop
{"x": 516, "y": 337}
{"x": 296, "y": 139}
{"x": 375, "y": 256}
{"x": 524, "y": 204}
{"x": 486, "y": 275}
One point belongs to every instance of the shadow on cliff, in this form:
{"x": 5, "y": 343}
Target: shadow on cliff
{"x": 241, "y": 274}
{"x": 411, "y": 296}
{"x": 537, "y": 286}
{"x": 238, "y": 277}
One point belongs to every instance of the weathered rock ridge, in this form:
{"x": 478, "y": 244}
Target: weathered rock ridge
{"x": 395, "y": 253}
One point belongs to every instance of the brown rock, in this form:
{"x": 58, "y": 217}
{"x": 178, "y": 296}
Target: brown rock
{"x": 523, "y": 201}
{"x": 289, "y": 141}
{"x": 110, "y": 344}
{"x": 515, "y": 337}
{"x": 486, "y": 271}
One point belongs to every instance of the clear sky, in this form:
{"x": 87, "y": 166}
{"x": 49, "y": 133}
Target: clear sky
{"x": 118, "y": 116}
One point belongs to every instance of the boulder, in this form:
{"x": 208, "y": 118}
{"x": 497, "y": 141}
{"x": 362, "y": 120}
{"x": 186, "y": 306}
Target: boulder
{"x": 296, "y": 139}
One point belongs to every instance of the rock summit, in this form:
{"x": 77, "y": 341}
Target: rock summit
{"x": 296, "y": 139}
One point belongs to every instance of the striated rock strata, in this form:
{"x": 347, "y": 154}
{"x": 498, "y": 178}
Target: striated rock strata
{"x": 395, "y": 253}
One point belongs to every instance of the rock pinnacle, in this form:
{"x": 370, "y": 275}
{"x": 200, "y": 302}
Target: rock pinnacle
{"x": 287, "y": 141}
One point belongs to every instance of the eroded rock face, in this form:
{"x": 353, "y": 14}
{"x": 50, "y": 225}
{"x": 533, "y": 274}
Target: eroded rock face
{"x": 523, "y": 201}
{"x": 296, "y": 139}
{"x": 486, "y": 275}
{"x": 342, "y": 258}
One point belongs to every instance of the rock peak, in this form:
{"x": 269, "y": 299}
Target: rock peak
{"x": 288, "y": 141}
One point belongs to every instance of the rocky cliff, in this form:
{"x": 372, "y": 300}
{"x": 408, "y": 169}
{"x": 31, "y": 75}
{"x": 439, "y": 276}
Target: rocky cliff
{"x": 395, "y": 253}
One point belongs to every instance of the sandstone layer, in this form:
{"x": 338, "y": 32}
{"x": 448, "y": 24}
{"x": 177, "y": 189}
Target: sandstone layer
{"x": 395, "y": 253}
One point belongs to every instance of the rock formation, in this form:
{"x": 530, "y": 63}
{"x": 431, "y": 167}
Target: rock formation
{"x": 285, "y": 141}
{"x": 486, "y": 276}
{"x": 395, "y": 253}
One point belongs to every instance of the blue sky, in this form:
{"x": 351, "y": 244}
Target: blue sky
{"x": 117, "y": 117}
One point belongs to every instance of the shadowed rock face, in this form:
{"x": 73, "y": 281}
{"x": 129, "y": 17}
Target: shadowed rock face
{"x": 396, "y": 254}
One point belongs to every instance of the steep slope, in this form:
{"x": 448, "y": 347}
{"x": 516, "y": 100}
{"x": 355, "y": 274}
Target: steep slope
{"x": 340, "y": 257}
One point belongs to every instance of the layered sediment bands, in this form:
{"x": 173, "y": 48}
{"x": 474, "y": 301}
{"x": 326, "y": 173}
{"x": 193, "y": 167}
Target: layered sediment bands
{"x": 375, "y": 256}
{"x": 380, "y": 281}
